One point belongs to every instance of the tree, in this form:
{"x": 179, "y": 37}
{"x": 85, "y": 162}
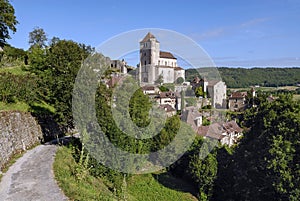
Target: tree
{"x": 202, "y": 167}
{"x": 265, "y": 165}
{"x": 8, "y": 21}
{"x": 179, "y": 80}
{"x": 199, "y": 92}
{"x": 38, "y": 38}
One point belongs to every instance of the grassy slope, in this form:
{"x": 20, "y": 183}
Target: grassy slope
{"x": 139, "y": 187}
{"x": 88, "y": 189}
{"x": 159, "y": 187}
{"x": 19, "y": 106}
{"x": 17, "y": 70}
{"x": 38, "y": 107}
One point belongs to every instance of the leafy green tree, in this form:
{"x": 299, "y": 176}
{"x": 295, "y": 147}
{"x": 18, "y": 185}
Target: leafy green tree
{"x": 63, "y": 62}
{"x": 38, "y": 37}
{"x": 265, "y": 166}
{"x": 8, "y": 21}
{"x": 202, "y": 168}
{"x": 199, "y": 92}
{"x": 12, "y": 56}
{"x": 179, "y": 80}
{"x": 139, "y": 107}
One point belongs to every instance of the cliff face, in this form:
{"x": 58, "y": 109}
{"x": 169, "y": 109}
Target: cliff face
{"x": 18, "y": 132}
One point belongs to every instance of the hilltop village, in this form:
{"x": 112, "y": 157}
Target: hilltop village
{"x": 196, "y": 101}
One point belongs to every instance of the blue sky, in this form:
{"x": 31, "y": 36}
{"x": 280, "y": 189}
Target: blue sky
{"x": 233, "y": 32}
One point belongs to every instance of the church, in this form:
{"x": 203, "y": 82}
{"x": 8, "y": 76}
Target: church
{"x": 157, "y": 66}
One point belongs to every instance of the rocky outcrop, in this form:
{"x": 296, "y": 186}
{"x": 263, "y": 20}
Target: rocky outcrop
{"x": 18, "y": 132}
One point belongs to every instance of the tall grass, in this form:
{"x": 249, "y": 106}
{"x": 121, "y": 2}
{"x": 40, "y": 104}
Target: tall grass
{"x": 160, "y": 186}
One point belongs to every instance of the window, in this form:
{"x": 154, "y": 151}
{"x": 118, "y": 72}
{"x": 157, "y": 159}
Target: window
{"x": 166, "y": 63}
{"x": 145, "y": 62}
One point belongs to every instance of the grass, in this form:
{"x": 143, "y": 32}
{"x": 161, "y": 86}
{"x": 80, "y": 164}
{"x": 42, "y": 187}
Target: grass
{"x": 90, "y": 188}
{"x": 39, "y": 108}
{"x": 17, "y": 70}
{"x": 18, "y": 106}
{"x": 269, "y": 89}
{"x": 160, "y": 186}
{"x": 42, "y": 107}
{"x": 297, "y": 97}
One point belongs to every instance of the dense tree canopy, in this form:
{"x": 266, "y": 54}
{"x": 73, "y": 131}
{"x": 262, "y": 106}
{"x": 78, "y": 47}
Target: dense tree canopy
{"x": 243, "y": 77}
{"x": 8, "y": 21}
{"x": 265, "y": 166}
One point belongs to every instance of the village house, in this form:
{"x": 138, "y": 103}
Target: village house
{"x": 215, "y": 90}
{"x": 120, "y": 65}
{"x": 170, "y": 111}
{"x": 226, "y": 133}
{"x": 237, "y": 101}
{"x": 192, "y": 116}
{"x": 171, "y": 98}
{"x": 150, "y": 90}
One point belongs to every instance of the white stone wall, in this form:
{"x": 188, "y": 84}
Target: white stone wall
{"x": 167, "y": 62}
{"x": 179, "y": 73}
{"x": 219, "y": 95}
{"x": 169, "y": 101}
{"x": 167, "y": 73}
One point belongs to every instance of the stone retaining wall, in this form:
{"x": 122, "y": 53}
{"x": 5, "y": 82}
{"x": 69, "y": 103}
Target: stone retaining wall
{"x": 18, "y": 132}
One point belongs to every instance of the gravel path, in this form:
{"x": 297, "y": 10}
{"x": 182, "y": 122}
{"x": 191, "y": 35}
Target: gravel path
{"x": 31, "y": 177}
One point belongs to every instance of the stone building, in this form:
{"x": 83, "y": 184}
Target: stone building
{"x": 157, "y": 66}
{"x": 237, "y": 101}
{"x": 225, "y": 132}
{"x": 120, "y": 65}
{"x": 215, "y": 90}
{"x": 192, "y": 116}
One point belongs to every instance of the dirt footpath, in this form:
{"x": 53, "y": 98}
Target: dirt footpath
{"x": 31, "y": 177}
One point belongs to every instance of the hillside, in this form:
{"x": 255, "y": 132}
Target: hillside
{"x": 244, "y": 77}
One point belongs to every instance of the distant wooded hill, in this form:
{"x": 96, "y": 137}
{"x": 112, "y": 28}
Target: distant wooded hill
{"x": 244, "y": 77}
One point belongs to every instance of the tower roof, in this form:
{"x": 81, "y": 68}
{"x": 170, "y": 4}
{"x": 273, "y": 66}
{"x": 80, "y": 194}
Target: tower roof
{"x": 148, "y": 37}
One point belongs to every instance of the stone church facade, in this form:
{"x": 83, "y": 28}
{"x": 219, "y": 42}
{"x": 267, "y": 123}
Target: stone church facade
{"x": 155, "y": 64}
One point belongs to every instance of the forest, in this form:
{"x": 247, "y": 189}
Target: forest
{"x": 246, "y": 77}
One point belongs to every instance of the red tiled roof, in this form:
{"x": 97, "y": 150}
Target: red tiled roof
{"x": 196, "y": 80}
{"x": 232, "y": 126}
{"x": 236, "y": 95}
{"x": 148, "y": 37}
{"x": 213, "y": 82}
{"x": 178, "y": 68}
{"x": 216, "y": 130}
{"x": 169, "y": 94}
{"x": 202, "y": 130}
{"x": 148, "y": 88}
{"x": 189, "y": 115}
{"x": 167, "y": 107}
{"x": 167, "y": 55}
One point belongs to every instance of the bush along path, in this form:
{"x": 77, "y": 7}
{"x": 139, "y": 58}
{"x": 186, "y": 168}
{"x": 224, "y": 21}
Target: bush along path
{"x": 31, "y": 177}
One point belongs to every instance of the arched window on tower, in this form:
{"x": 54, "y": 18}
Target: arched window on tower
{"x": 145, "y": 62}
